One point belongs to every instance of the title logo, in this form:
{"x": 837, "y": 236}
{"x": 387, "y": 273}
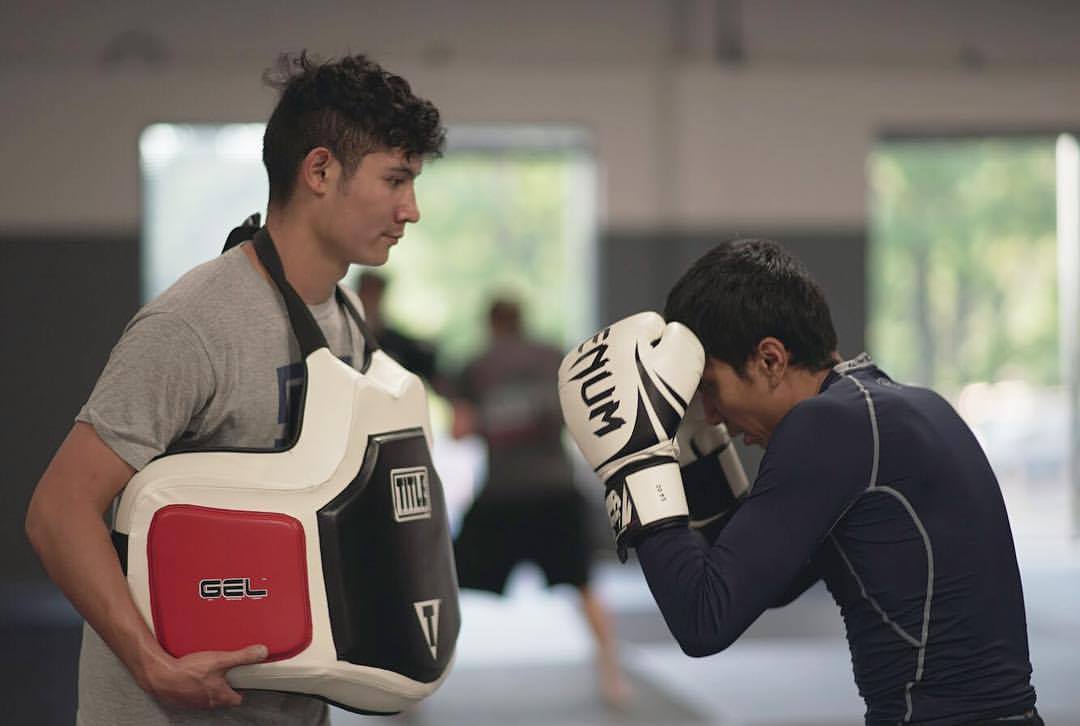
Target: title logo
{"x": 412, "y": 496}
{"x": 427, "y": 612}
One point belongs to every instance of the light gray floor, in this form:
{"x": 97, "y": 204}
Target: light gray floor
{"x": 527, "y": 658}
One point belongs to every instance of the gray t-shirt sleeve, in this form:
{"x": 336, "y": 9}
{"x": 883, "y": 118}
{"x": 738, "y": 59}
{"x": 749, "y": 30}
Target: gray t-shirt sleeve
{"x": 158, "y": 378}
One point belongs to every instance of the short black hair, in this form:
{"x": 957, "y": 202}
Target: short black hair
{"x": 504, "y": 314}
{"x": 371, "y": 280}
{"x": 745, "y": 290}
{"x": 351, "y": 106}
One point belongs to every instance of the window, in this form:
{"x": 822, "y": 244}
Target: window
{"x": 964, "y": 297}
{"x": 508, "y": 209}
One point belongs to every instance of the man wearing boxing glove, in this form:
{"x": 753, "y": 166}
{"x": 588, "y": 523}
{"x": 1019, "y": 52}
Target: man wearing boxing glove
{"x": 878, "y": 489}
{"x": 639, "y": 459}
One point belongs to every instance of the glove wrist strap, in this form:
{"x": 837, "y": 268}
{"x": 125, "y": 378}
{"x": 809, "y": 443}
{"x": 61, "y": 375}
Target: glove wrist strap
{"x": 657, "y": 492}
{"x": 646, "y": 497}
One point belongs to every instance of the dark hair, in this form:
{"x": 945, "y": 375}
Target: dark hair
{"x": 743, "y": 291}
{"x": 371, "y": 280}
{"x": 350, "y": 106}
{"x": 504, "y": 314}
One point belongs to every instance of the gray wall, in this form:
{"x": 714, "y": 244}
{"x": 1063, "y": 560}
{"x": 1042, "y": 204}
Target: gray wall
{"x": 707, "y": 114}
{"x": 637, "y": 270}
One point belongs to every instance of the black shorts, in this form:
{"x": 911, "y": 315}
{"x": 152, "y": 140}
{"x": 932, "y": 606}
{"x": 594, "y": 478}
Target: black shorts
{"x": 498, "y": 533}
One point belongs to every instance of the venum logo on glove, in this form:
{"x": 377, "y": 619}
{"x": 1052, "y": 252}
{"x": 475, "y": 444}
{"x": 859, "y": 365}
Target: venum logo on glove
{"x": 602, "y": 403}
{"x": 640, "y": 371}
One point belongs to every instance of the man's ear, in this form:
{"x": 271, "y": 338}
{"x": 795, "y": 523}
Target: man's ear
{"x": 774, "y": 359}
{"x": 316, "y": 169}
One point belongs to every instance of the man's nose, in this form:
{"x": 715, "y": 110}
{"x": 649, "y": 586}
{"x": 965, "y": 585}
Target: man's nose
{"x": 409, "y": 211}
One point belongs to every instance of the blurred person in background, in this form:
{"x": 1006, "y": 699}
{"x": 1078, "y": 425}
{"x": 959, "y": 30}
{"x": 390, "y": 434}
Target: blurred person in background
{"x": 416, "y": 355}
{"x": 529, "y": 508}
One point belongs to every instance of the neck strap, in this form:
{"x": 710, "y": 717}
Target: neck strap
{"x": 308, "y": 334}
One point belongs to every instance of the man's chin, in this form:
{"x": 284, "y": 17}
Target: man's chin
{"x": 373, "y": 258}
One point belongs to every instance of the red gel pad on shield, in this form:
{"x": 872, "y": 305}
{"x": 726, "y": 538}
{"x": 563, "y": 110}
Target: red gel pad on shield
{"x": 222, "y": 579}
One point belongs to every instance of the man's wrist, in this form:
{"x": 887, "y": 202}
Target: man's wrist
{"x": 657, "y": 492}
{"x": 645, "y": 496}
{"x": 146, "y": 660}
{"x": 708, "y": 492}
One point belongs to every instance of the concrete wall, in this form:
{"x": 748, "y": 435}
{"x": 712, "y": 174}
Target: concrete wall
{"x": 704, "y": 112}
{"x": 689, "y": 146}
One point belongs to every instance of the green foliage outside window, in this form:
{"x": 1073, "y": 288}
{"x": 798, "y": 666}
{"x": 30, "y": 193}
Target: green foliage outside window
{"x": 962, "y": 271}
{"x": 518, "y": 223}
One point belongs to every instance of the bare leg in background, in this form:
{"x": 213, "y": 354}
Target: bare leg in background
{"x": 613, "y": 686}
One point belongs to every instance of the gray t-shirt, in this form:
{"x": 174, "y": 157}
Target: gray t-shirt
{"x": 514, "y": 388}
{"x": 211, "y": 362}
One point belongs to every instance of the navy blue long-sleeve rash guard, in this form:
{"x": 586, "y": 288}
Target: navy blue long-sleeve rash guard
{"x": 881, "y": 490}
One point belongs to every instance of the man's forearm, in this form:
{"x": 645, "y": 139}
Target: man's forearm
{"x": 79, "y": 557}
{"x": 695, "y": 599}
{"x": 65, "y": 526}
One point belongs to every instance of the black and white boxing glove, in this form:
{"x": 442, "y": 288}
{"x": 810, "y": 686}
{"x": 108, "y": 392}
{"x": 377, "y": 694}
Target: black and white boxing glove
{"x": 713, "y": 476}
{"x": 623, "y": 393}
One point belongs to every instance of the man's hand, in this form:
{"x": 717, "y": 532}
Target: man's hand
{"x": 197, "y": 680}
{"x": 623, "y": 393}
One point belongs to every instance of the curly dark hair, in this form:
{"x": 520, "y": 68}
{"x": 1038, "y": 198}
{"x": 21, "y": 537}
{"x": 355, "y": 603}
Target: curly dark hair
{"x": 351, "y": 106}
{"x": 743, "y": 291}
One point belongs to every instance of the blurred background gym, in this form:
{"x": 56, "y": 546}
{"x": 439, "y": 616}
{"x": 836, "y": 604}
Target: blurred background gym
{"x": 921, "y": 158}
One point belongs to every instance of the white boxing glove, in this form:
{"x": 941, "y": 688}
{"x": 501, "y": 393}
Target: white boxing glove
{"x": 623, "y": 393}
{"x": 712, "y": 473}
